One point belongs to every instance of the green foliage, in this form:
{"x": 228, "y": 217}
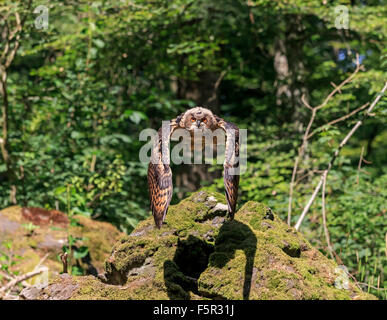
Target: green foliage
{"x": 74, "y": 248}
{"x": 8, "y": 259}
{"x": 358, "y": 224}
{"x": 30, "y": 227}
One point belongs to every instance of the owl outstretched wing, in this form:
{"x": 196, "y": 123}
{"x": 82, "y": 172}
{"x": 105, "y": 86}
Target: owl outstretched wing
{"x": 231, "y": 164}
{"x": 160, "y": 175}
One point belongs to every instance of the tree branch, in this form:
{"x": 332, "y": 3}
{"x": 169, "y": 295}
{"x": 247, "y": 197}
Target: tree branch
{"x": 19, "y": 279}
{"x": 335, "y": 155}
{"x": 216, "y": 86}
{"x": 326, "y": 231}
{"x": 339, "y": 119}
{"x": 306, "y": 136}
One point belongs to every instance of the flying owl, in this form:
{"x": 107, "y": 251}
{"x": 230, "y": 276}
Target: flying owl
{"x": 160, "y": 174}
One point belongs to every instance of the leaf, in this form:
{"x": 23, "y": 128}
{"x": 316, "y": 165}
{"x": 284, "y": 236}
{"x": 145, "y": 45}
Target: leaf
{"x": 99, "y": 43}
{"x": 81, "y": 252}
{"x": 60, "y": 190}
{"x": 135, "y": 116}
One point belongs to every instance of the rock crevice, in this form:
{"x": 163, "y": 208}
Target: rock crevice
{"x": 200, "y": 254}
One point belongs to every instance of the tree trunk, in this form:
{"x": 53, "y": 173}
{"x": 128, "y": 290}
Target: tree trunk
{"x": 289, "y": 66}
{"x": 10, "y": 41}
{"x": 4, "y": 112}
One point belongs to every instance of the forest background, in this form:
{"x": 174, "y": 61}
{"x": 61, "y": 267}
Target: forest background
{"x": 79, "y": 80}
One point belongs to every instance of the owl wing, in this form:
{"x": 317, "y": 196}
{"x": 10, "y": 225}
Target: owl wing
{"x": 231, "y": 164}
{"x": 160, "y": 191}
{"x": 160, "y": 175}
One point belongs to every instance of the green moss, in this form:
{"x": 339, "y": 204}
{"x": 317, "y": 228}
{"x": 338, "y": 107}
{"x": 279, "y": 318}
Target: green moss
{"x": 198, "y": 254}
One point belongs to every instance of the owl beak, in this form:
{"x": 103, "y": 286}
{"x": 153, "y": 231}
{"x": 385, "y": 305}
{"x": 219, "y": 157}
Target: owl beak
{"x": 198, "y": 123}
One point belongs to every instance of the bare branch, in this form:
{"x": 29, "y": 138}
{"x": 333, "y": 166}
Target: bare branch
{"x": 19, "y": 279}
{"x": 63, "y": 258}
{"x": 308, "y": 205}
{"x": 326, "y": 231}
{"x": 342, "y": 84}
{"x": 335, "y": 155}
{"x": 216, "y": 86}
{"x": 340, "y": 119}
{"x": 302, "y": 149}
{"x": 6, "y": 275}
{"x": 301, "y": 152}
{"x": 359, "y": 165}
{"x": 9, "y": 277}
{"x": 375, "y": 288}
{"x": 335, "y": 86}
{"x": 306, "y": 104}
{"x": 42, "y": 260}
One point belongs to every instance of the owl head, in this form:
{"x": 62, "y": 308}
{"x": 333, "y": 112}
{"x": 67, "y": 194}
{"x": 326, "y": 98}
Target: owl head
{"x": 199, "y": 118}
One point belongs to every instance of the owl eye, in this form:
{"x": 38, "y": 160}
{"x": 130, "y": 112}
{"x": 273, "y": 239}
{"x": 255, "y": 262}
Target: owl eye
{"x": 205, "y": 120}
{"x": 192, "y": 119}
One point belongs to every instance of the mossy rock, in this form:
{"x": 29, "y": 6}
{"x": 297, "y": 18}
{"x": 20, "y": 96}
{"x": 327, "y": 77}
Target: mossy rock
{"x": 200, "y": 254}
{"x": 48, "y": 235}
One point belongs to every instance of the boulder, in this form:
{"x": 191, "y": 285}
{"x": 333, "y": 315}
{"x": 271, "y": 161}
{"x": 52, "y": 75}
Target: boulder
{"x": 35, "y": 233}
{"x": 200, "y": 254}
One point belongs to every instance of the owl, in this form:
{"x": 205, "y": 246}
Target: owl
{"x": 159, "y": 171}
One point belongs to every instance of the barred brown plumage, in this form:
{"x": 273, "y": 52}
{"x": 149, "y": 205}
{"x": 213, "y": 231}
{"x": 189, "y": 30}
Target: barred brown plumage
{"x": 160, "y": 174}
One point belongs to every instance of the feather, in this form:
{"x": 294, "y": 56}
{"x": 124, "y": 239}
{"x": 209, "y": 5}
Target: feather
{"x": 231, "y": 163}
{"x": 160, "y": 191}
{"x": 160, "y": 174}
